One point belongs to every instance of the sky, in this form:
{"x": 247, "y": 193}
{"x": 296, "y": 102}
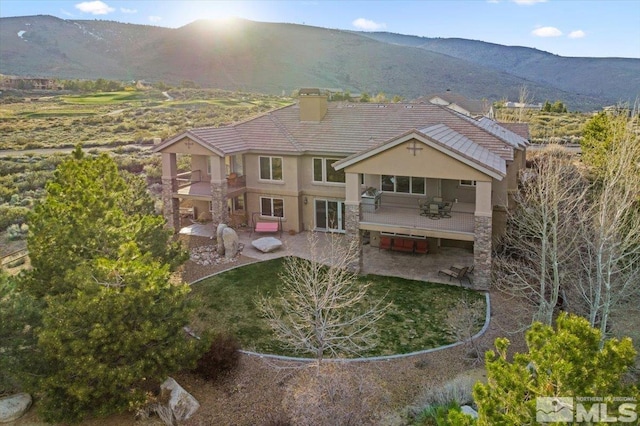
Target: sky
{"x": 592, "y": 28}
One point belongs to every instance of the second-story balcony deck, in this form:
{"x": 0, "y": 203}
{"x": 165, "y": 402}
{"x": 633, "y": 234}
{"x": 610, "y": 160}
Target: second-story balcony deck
{"x": 410, "y": 220}
{"x": 191, "y": 185}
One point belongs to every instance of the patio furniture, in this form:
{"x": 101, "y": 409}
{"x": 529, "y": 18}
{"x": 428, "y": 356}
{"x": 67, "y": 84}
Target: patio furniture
{"x": 455, "y": 272}
{"x": 403, "y": 244}
{"x": 438, "y": 200}
{"x": 434, "y": 211}
{"x": 385, "y": 243}
{"x": 445, "y": 211}
{"x": 422, "y": 247}
{"x": 423, "y": 205}
{"x": 265, "y": 227}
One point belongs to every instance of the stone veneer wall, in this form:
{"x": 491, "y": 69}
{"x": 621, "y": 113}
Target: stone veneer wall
{"x": 219, "y": 213}
{"x": 482, "y": 252}
{"x": 170, "y": 205}
{"x": 352, "y": 228}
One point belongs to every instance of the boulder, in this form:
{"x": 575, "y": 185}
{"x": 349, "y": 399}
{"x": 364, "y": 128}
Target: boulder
{"x": 231, "y": 242}
{"x": 219, "y": 231}
{"x": 469, "y": 411}
{"x": 13, "y": 407}
{"x": 267, "y": 244}
{"x": 182, "y": 404}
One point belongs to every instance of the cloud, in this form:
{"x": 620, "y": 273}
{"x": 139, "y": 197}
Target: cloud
{"x": 125, "y": 10}
{"x": 577, "y": 34}
{"x": 153, "y": 18}
{"x": 94, "y": 7}
{"x": 368, "y": 25}
{"x": 528, "y": 2}
{"x": 547, "y": 32}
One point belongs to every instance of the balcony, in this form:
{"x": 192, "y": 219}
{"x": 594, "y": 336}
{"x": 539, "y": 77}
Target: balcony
{"x": 192, "y": 185}
{"x": 408, "y": 220}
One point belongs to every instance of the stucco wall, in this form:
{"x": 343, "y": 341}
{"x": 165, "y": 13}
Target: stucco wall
{"x": 427, "y": 162}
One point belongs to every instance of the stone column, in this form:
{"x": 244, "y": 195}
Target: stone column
{"x": 353, "y": 234}
{"x": 170, "y": 205}
{"x": 352, "y": 219}
{"x": 483, "y": 236}
{"x": 219, "y": 187}
{"x": 219, "y": 210}
{"x": 482, "y": 252}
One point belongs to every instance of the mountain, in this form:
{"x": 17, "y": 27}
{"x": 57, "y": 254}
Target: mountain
{"x": 613, "y": 78}
{"x": 276, "y": 58}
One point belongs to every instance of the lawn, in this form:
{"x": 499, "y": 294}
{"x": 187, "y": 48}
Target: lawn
{"x": 416, "y": 319}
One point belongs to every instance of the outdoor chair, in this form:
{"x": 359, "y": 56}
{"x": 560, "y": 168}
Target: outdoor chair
{"x": 436, "y": 199}
{"x": 434, "y": 211}
{"x": 385, "y": 243}
{"x": 423, "y": 205}
{"x": 445, "y": 211}
{"x": 454, "y": 272}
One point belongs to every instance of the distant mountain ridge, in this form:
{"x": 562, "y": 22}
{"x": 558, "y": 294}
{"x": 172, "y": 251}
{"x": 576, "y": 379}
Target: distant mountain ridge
{"x": 276, "y": 58}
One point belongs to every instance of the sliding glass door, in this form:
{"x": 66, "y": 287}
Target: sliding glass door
{"x": 330, "y": 215}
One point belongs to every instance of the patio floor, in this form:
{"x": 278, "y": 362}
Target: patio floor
{"x": 380, "y": 262}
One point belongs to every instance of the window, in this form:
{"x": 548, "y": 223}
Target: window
{"x": 403, "y": 184}
{"x": 271, "y": 207}
{"x": 233, "y": 164}
{"x": 271, "y": 168}
{"x": 467, "y": 183}
{"x": 235, "y": 204}
{"x": 324, "y": 172}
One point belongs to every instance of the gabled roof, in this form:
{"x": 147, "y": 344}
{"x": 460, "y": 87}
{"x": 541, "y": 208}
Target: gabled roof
{"x": 500, "y": 131}
{"x": 474, "y": 106}
{"x": 347, "y": 128}
{"x": 443, "y": 139}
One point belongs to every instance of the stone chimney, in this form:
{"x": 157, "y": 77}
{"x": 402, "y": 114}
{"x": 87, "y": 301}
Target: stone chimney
{"x": 313, "y": 105}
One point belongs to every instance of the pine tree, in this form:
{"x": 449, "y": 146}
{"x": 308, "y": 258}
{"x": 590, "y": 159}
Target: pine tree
{"x": 567, "y": 362}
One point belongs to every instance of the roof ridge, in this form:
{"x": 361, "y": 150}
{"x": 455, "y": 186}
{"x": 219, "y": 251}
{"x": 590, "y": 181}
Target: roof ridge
{"x": 285, "y": 131}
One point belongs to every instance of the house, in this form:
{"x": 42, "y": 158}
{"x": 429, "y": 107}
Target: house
{"x": 459, "y": 103}
{"x": 521, "y": 105}
{"x": 308, "y": 165}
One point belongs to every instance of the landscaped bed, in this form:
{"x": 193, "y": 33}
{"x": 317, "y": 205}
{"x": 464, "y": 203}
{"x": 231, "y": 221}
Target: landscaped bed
{"x": 417, "y": 318}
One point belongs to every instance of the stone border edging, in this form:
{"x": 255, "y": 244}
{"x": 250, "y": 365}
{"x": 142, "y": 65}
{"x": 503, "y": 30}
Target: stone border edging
{"x": 487, "y": 320}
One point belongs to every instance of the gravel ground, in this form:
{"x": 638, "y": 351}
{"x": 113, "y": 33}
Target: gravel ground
{"x": 262, "y": 392}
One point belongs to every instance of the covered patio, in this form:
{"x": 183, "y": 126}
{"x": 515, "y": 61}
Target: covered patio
{"x": 375, "y": 261}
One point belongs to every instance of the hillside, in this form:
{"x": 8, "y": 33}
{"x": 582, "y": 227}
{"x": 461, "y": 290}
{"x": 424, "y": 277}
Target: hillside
{"x": 277, "y": 58}
{"x": 576, "y": 75}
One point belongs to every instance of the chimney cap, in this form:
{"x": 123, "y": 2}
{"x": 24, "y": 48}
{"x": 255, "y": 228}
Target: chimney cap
{"x": 309, "y": 91}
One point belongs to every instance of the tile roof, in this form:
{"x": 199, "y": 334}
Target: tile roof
{"x": 347, "y": 128}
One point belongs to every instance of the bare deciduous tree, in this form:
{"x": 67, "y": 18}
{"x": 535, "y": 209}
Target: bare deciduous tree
{"x": 610, "y": 233}
{"x": 462, "y": 321}
{"x": 322, "y": 308}
{"x": 524, "y": 98}
{"x": 540, "y": 249}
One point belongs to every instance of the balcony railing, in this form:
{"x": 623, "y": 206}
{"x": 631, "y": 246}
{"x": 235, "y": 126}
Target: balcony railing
{"x": 409, "y": 218}
{"x": 187, "y": 178}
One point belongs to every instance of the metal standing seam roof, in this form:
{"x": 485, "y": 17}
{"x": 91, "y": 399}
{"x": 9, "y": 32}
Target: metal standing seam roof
{"x": 347, "y": 128}
{"x": 503, "y": 133}
{"x": 465, "y": 147}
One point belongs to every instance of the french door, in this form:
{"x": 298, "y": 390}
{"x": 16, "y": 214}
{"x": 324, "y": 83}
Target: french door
{"x": 330, "y": 215}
